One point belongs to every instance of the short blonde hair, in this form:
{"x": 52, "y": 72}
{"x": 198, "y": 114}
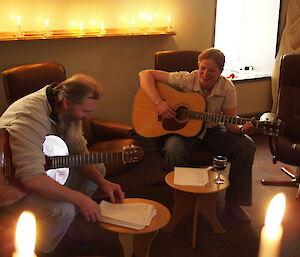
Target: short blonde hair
{"x": 215, "y": 54}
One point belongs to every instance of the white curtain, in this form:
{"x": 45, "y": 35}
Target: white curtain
{"x": 289, "y": 43}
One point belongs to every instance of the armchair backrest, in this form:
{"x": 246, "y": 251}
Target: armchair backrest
{"x": 176, "y": 60}
{"x": 289, "y": 95}
{"x": 25, "y": 79}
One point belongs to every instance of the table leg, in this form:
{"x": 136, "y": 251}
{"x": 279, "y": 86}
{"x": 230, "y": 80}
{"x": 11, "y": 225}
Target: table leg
{"x": 183, "y": 204}
{"x": 207, "y": 208}
{"x": 126, "y": 241}
{"x": 138, "y": 244}
{"x": 142, "y": 243}
{"x": 196, "y": 210}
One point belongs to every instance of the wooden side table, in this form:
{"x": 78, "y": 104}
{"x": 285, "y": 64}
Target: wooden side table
{"x": 196, "y": 199}
{"x": 138, "y": 242}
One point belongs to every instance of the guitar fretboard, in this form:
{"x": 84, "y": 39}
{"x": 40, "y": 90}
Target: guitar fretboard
{"x": 213, "y": 117}
{"x": 83, "y": 159}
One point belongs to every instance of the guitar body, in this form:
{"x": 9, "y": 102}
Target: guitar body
{"x": 148, "y": 123}
{"x": 11, "y": 190}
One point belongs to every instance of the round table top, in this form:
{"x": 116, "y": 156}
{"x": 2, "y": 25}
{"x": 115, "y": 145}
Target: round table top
{"x": 212, "y": 187}
{"x": 161, "y": 218}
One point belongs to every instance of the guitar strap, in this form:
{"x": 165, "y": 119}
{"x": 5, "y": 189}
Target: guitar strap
{"x": 51, "y": 100}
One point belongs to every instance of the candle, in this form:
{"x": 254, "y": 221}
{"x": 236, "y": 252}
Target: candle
{"x": 19, "y": 23}
{"x": 102, "y": 28}
{"x": 169, "y": 19}
{"x": 47, "y": 33}
{"x": 25, "y": 235}
{"x": 271, "y": 233}
{"x": 81, "y": 27}
{"x": 150, "y": 19}
{"x": 47, "y": 24}
{"x": 132, "y": 21}
{"x": 169, "y": 26}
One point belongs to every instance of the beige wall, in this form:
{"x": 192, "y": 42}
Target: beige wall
{"x": 116, "y": 61}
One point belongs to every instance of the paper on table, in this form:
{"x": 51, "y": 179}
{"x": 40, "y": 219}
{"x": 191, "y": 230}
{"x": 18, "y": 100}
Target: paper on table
{"x": 191, "y": 176}
{"x": 131, "y": 215}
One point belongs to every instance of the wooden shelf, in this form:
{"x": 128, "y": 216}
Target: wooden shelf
{"x": 89, "y": 33}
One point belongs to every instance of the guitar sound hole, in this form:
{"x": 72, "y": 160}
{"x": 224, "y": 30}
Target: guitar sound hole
{"x": 182, "y": 113}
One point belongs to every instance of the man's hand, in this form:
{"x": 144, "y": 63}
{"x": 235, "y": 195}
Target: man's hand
{"x": 89, "y": 209}
{"x": 165, "y": 110}
{"x": 248, "y": 127}
{"x": 113, "y": 190}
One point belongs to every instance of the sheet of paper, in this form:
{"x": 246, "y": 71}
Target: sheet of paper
{"x": 191, "y": 176}
{"x": 132, "y": 215}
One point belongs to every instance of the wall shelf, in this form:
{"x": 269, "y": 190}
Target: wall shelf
{"x": 88, "y": 33}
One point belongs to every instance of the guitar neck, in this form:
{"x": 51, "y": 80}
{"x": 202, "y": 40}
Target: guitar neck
{"x": 83, "y": 159}
{"x": 213, "y": 117}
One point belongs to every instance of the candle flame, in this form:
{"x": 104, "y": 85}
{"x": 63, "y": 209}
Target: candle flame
{"x": 275, "y": 211}
{"x": 169, "y": 18}
{"x": 102, "y": 25}
{"x": 19, "y": 20}
{"x": 26, "y": 234}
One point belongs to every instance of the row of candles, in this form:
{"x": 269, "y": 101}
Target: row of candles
{"x": 271, "y": 233}
{"x": 102, "y": 30}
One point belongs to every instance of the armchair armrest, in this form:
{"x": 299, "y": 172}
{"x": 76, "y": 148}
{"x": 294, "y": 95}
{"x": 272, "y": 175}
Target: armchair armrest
{"x": 106, "y": 129}
{"x": 100, "y": 129}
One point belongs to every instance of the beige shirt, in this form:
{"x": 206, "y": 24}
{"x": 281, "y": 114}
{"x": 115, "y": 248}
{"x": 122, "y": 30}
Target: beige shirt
{"x": 222, "y": 96}
{"x": 28, "y": 122}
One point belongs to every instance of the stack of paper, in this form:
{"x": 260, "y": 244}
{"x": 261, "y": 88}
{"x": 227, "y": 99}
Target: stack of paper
{"x": 131, "y": 215}
{"x": 191, "y": 176}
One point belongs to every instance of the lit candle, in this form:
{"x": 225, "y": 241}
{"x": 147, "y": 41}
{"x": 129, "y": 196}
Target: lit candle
{"x": 25, "y": 235}
{"x": 102, "y": 28}
{"x": 132, "y": 29}
{"x": 169, "y": 26}
{"x": 19, "y": 23}
{"x": 47, "y": 33}
{"x": 47, "y": 24}
{"x": 271, "y": 233}
{"x": 132, "y": 21}
{"x": 150, "y": 19}
{"x": 169, "y": 19}
{"x": 81, "y": 28}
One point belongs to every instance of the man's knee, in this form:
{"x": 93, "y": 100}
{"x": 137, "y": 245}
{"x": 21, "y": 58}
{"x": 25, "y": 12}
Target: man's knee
{"x": 63, "y": 211}
{"x": 247, "y": 148}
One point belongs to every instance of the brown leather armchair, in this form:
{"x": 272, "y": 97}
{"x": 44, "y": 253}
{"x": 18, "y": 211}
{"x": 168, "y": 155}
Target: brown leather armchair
{"x": 183, "y": 60}
{"x": 102, "y": 135}
{"x": 285, "y": 146}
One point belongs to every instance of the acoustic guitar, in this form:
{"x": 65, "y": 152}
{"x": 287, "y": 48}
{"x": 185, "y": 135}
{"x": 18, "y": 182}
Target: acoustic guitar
{"x": 57, "y": 164}
{"x": 190, "y": 108}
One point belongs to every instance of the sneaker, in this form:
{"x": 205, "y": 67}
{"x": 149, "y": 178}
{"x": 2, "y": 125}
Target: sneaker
{"x": 237, "y": 212}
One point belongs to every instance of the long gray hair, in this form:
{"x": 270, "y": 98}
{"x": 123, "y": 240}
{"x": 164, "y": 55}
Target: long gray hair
{"x": 77, "y": 87}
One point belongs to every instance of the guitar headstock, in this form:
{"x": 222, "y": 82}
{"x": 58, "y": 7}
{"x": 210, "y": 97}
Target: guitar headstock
{"x": 131, "y": 154}
{"x": 272, "y": 127}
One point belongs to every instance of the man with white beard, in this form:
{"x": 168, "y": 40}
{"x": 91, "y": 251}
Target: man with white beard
{"x": 56, "y": 109}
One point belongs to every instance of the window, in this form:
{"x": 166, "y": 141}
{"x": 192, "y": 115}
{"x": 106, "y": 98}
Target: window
{"x": 246, "y": 31}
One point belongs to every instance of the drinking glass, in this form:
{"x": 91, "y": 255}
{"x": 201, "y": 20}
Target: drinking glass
{"x": 219, "y": 163}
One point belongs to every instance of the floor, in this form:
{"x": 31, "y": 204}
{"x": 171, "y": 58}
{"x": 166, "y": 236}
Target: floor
{"x": 240, "y": 240}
